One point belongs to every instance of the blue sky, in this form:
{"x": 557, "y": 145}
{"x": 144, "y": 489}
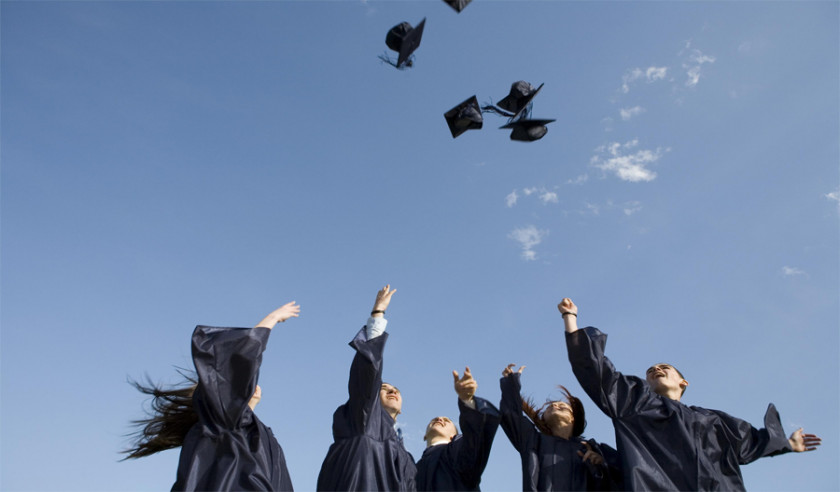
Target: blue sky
{"x": 167, "y": 164}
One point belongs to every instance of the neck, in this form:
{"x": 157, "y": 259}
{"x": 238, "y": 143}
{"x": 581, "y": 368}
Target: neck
{"x": 437, "y": 440}
{"x": 393, "y": 414}
{"x": 562, "y": 430}
{"x": 670, "y": 393}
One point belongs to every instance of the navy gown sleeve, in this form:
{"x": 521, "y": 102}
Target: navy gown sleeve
{"x": 366, "y": 453}
{"x": 229, "y": 448}
{"x": 478, "y": 428}
{"x": 458, "y": 465}
{"x": 518, "y": 428}
{"x": 361, "y": 414}
{"x": 615, "y": 394}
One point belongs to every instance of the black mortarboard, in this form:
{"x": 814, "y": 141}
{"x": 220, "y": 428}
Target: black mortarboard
{"x": 404, "y": 39}
{"x": 520, "y": 96}
{"x": 527, "y": 130}
{"x": 463, "y": 117}
{"x": 458, "y": 5}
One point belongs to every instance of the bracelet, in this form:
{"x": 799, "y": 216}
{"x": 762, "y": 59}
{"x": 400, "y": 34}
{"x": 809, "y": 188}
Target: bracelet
{"x": 377, "y": 311}
{"x": 573, "y": 314}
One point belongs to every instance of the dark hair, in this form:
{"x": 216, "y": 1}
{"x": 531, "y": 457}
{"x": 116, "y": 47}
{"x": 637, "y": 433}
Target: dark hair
{"x": 536, "y": 414}
{"x": 170, "y": 418}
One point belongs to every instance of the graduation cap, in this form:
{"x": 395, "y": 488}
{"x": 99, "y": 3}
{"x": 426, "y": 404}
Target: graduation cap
{"x": 463, "y": 117}
{"x": 404, "y": 39}
{"x": 525, "y": 130}
{"x": 458, "y": 5}
{"x": 521, "y": 94}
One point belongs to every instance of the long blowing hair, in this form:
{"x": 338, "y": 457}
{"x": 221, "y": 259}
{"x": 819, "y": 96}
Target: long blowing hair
{"x": 170, "y": 418}
{"x": 536, "y": 414}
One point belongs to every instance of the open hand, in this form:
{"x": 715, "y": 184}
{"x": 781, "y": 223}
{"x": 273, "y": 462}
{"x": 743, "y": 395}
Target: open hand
{"x": 281, "y": 314}
{"x": 801, "y": 442}
{"x": 383, "y": 298}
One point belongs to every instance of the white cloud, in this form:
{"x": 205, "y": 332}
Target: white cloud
{"x": 549, "y": 197}
{"x": 583, "y": 178}
{"x": 834, "y": 195}
{"x": 627, "y": 113}
{"x": 791, "y": 271}
{"x": 528, "y": 237}
{"x": 510, "y": 200}
{"x": 650, "y": 74}
{"x": 694, "y": 64}
{"x": 630, "y": 166}
{"x": 530, "y": 191}
{"x": 631, "y": 208}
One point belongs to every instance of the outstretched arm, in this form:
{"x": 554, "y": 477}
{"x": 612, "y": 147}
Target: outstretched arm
{"x": 279, "y": 315}
{"x": 519, "y": 429}
{"x": 801, "y": 442}
{"x": 479, "y": 421}
{"x": 569, "y": 312}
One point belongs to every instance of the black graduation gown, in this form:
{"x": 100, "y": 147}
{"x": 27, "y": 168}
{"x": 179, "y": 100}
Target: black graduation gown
{"x": 458, "y": 465}
{"x": 366, "y": 454}
{"x": 229, "y": 448}
{"x": 548, "y": 462}
{"x": 664, "y": 444}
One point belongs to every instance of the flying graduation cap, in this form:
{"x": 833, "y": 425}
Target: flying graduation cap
{"x": 463, "y": 117}
{"x": 518, "y": 99}
{"x": 403, "y": 39}
{"x": 458, "y": 5}
{"x": 525, "y": 130}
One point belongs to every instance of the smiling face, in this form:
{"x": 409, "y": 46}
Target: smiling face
{"x": 666, "y": 380}
{"x": 440, "y": 427}
{"x": 391, "y": 399}
{"x": 558, "y": 412}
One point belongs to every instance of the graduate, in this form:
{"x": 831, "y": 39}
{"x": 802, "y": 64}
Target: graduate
{"x": 553, "y": 453}
{"x": 664, "y": 444}
{"x": 368, "y": 453}
{"x": 455, "y": 461}
{"x": 224, "y": 446}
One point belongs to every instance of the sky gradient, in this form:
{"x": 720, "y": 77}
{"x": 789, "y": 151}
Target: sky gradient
{"x": 168, "y": 164}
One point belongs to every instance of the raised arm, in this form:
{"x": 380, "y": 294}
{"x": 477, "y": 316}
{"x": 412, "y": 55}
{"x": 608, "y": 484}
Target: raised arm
{"x": 519, "y": 430}
{"x": 479, "y": 420}
{"x": 227, "y": 361}
{"x": 568, "y": 311}
{"x": 279, "y": 315}
{"x": 614, "y": 393}
{"x": 363, "y": 405}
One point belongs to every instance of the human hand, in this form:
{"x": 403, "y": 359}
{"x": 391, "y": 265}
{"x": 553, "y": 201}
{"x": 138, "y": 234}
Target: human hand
{"x": 383, "y": 299}
{"x": 567, "y": 306}
{"x": 590, "y": 454}
{"x": 465, "y": 386}
{"x": 801, "y": 442}
{"x": 508, "y": 371}
{"x": 281, "y": 314}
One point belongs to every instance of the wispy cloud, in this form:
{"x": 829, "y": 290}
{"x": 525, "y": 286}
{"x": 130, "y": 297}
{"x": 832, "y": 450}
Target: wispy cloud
{"x": 583, "y": 178}
{"x": 631, "y": 208}
{"x": 625, "y": 162}
{"x": 540, "y": 192}
{"x": 693, "y": 63}
{"x": 528, "y": 237}
{"x": 511, "y": 199}
{"x": 835, "y": 196}
{"x": 548, "y": 197}
{"x": 650, "y": 74}
{"x": 792, "y": 271}
{"x": 627, "y": 113}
